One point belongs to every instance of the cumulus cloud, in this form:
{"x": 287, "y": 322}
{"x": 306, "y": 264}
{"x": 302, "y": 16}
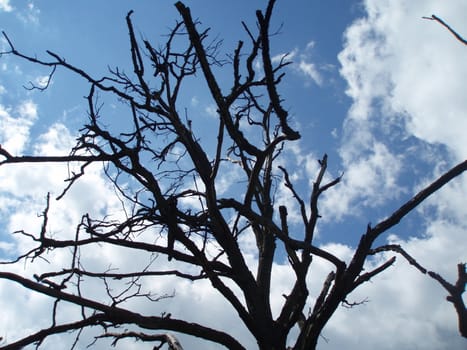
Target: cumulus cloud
{"x": 404, "y": 307}
{"x": 393, "y": 63}
{"x": 406, "y": 82}
{"x": 369, "y": 181}
{"x": 406, "y": 78}
{"x": 23, "y": 190}
{"x": 15, "y": 125}
{"x": 411, "y": 67}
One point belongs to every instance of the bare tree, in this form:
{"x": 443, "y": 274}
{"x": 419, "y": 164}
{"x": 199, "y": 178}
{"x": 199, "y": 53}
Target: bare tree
{"x": 167, "y": 165}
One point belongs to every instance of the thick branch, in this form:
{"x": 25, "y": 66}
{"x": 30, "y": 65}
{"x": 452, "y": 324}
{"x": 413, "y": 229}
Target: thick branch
{"x": 223, "y": 107}
{"x": 120, "y": 316}
{"x": 397, "y": 216}
{"x": 61, "y": 159}
{"x": 44, "y": 333}
{"x": 369, "y": 275}
{"x": 397, "y": 248}
{"x": 455, "y": 295}
{"x": 282, "y": 114}
{"x": 448, "y": 27}
{"x": 369, "y": 237}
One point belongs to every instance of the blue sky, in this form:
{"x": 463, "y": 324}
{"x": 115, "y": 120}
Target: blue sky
{"x": 371, "y": 84}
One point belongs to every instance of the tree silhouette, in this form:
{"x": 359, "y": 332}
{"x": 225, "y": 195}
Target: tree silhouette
{"x": 161, "y": 168}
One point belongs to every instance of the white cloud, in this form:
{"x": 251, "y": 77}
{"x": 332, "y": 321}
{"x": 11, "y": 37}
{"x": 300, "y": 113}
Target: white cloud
{"x": 211, "y": 111}
{"x": 5, "y": 6}
{"x": 406, "y": 77}
{"x": 301, "y": 63}
{"x": 15, "y": 125}
{"x": 398, "y": 64}
{"x": 284, "y": 57}
{"x": 397, "y": 314}
{"x": 310, "y": 70}
{"x": 57, "y": 140}
{"x": 407, "y": 81}
{"x": 22, "y": 198}
{"x": 405, "y": 308}
{"x": 369, "y": 181}
{"x": 42, "y": 81}
{"x": 28, "y": 110}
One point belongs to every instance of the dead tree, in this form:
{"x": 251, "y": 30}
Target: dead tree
{"x": 166, "y": 164}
